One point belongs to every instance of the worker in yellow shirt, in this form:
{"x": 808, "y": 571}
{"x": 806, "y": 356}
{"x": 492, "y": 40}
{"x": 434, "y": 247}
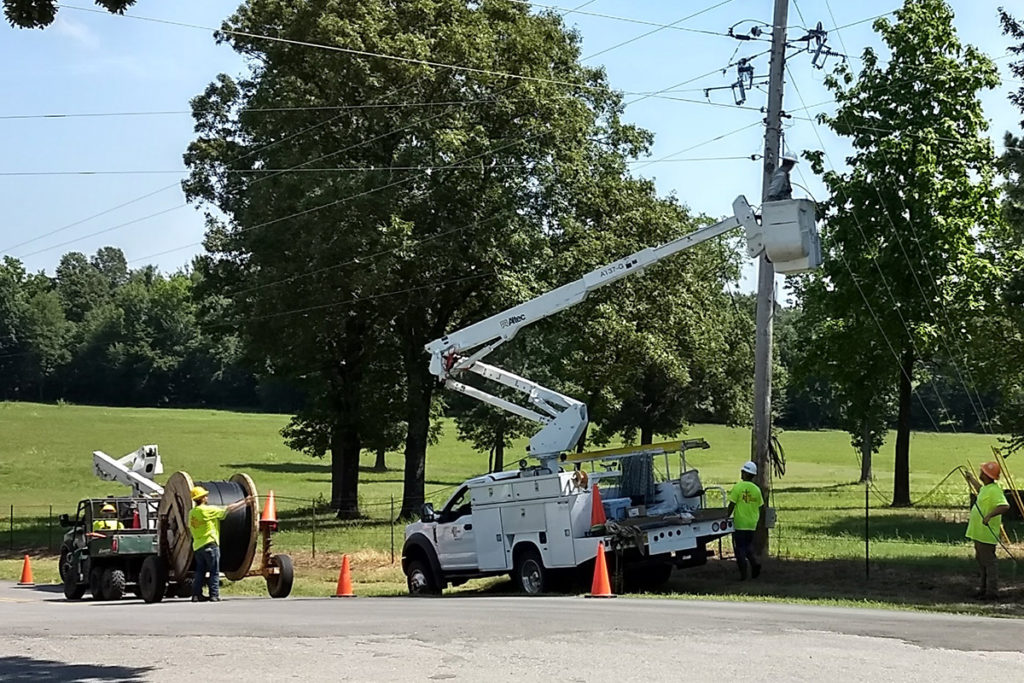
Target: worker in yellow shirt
{"x": 745, "y": 501}
{"x": 984, "y": 527}
{"x": 204, "y": 523}
{"x": 108, "y": 520}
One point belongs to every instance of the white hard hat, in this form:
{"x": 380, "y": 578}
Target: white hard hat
{"x": 789, "y": 156}
{"x": 749, "y": 467}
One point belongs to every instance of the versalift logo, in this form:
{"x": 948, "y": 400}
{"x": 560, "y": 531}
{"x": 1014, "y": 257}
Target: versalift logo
{"x": 512, "y": 320}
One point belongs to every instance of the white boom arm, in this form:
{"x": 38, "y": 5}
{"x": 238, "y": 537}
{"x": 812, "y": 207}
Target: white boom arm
{"x": 135, "y": 470}
{"x": 564, "y": 418}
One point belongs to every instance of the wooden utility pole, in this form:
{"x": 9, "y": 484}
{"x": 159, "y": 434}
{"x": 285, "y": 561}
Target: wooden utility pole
{"x": 761, "y": 435}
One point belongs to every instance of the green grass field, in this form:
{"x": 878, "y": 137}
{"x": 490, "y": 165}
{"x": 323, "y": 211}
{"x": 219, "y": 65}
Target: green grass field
{"x": 45, "y": 460}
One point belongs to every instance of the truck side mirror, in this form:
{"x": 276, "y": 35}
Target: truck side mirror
{"x": 65, "y": 521}
{"x": 427, "y": 512}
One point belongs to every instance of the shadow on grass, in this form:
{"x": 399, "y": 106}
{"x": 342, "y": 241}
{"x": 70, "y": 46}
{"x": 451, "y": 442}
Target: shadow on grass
{"x": 19, "y": 668}
{"x": 815, "y": 489}
{"x": 899, "y": 527}
{"x": 285, "y": 467}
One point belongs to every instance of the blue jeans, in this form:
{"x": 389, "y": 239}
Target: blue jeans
{"x": 743, "y": 545}
{"x": 207, "y": 560}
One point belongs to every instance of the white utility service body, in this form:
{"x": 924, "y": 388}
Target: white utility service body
{"x": 537, "y": 520}
{"x": 494, "y": 522}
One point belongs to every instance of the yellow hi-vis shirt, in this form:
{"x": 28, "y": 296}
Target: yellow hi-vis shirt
{"x": 204, "y": 521}
{"x": 990, "y": 496}
{"x": 747, "y": 498}
{"x": 106, "y": 525}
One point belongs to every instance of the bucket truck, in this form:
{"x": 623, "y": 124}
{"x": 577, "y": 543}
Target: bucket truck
{"x": 537, "y": 523}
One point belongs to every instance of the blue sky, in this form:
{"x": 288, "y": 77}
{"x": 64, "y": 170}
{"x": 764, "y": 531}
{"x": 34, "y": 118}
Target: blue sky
{"x": 88, "y": 62}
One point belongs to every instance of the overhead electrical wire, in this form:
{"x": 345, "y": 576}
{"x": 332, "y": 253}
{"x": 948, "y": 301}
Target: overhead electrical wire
{"x": 370, "y": 257}
{"x": 350, "y": 51}
{"x": 644, "y": 96}
{"x": 631, "y": 20}
{"x": 658, "y": 29}
{"x": 248, "y": 154}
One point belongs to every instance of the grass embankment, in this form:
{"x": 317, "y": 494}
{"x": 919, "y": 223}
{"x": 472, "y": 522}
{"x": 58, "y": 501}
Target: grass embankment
{"x": 918, "y": 556}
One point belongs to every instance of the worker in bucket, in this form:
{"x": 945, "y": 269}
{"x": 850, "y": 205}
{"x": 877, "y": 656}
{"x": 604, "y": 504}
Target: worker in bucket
{"x": 779, "y": 188}
{"x": 745, "y": 501}
{"x": 984, "y": 527}
{"x": 204, "y": 522}
{"x": 108, "y": 520}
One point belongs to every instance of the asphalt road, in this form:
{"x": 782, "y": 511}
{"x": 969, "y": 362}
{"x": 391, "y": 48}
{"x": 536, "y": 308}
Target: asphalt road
{"x": 493, "y": 639}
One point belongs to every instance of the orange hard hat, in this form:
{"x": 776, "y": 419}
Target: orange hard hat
{"x": 992, "y": 470}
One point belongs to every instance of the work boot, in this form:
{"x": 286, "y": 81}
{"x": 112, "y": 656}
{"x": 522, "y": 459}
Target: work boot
{"x": 197, "y": 598}
{"x": 755, "y": 571}
{"x": 214, "y": 600}
{"x": 743, "y": 572}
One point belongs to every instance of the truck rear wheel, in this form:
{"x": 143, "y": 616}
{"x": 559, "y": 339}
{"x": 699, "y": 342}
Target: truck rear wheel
{"x": 530, "y": 574}
{"x": 421, "y": 579}
{"x": 153, "y": 579}
{"x": 113, "y": 582}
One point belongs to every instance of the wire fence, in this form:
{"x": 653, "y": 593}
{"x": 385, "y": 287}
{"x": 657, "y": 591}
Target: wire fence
{"x": 842, "y": 532}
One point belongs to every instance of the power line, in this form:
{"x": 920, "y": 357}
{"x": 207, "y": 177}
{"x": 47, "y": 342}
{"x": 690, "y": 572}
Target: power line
{"x": 371, "y": 257}
{"x": 349, "y": 51}
{"x": 95, "y": 215}
{"x": 176, "y": 184}
{"x": 335, "y": 169}
{"x": 656, "y": 30}
{"x": 105, "y": 230}
{"x": 631, "y": 20}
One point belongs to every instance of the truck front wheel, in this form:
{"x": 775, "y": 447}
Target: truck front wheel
{"x": 530, "y": 574}
{"x": 420, "y": 579}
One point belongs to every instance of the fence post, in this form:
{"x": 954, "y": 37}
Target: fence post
{"x": 11, "y": 539}
{"x": 49, "y": 531}
{"x": 313, "y": 501}
{"x": 392, "y": 528}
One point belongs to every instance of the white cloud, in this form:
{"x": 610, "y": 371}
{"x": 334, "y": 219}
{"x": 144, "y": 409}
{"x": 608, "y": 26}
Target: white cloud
{"x": 78, "y": 33}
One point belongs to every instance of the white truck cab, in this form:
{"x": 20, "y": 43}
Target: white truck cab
{"x": 539, "y": 526}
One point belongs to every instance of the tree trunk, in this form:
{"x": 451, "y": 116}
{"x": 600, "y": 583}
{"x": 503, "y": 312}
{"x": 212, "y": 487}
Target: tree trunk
{"x": 865, "y": 455}
{"x": 345, "y": 448}
{"x": 901, "y": 480}
{"x": 420, "y": 393}
{"x": 499, "y": 449}
{"x": 646, "y": 435}
{"x": 380, "y": 465}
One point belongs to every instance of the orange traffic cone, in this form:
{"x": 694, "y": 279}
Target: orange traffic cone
{"x": 601, "y": 588}
{"x": 344, "y": 589}
{"x": 269, "y": 516}
{"x": 597, "y": 517}
{"x": 26, "y": 573}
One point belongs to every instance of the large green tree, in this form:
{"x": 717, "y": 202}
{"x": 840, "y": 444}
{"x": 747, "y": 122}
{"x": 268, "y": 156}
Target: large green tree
{"x": 458, "y": 171}
{"x": 902, "y": 274}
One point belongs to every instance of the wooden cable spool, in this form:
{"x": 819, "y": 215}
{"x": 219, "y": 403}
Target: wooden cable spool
{"x": 238, "y": 529}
